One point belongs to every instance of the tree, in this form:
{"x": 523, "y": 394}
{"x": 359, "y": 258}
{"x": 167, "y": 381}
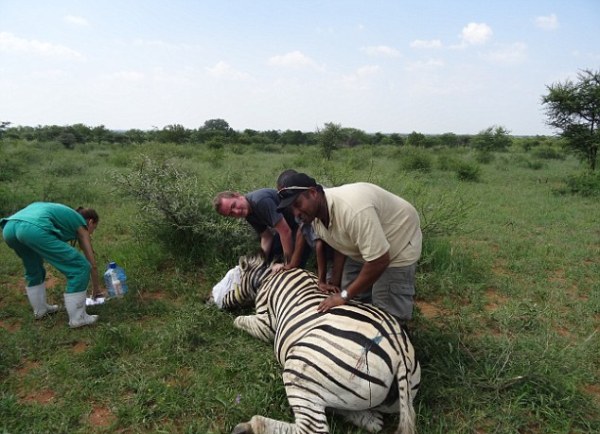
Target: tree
{"x": 67, "y": 139}
{"x": 492, "y": 139}
{"x": 3, "y": 126}
{"x": 397, "y": 139}
{"x": 416, "y": 139}
{"x": 574, "y": 108}
{"x": 354, "y": 137}
{"x": 329, "y": 137}
{"x": 174, "y": 134}
{"x": 449, "y": 139}
{"x": 293, "y": 137}
{"x": 135, "y": 136}
{"x": 217, "y": 125}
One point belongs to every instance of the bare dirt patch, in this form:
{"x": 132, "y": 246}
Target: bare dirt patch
{"x": 10, "y": 325}
{"x": 26, "y": 367}
{"x": 499, "y": 268}
{"x": 101, "y": 417}
{"x": 45, "y": 396}
{"x": 79, "y": 347}
{"x": 563, "y": 331}
{"x": 494, "y": 300}
{"x": 51, "y": 280}
{"x": 430, "y": 310}
{"x": 594, "y": 391}
{"x": 155, "y": 295}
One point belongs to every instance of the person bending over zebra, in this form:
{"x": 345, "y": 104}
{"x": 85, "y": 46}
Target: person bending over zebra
{"x": 376, "y": 230}
{"x": 276, "y": 228}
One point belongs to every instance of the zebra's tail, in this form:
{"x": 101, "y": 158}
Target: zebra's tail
{"x": 406, "y": 425}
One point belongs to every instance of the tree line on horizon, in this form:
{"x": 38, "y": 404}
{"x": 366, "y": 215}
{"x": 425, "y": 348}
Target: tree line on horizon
{"x": 573, "y": 108}
{"x": 217, "y": 132}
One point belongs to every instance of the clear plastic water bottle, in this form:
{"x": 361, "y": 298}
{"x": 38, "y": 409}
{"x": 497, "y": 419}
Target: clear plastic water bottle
{"x": 115, "y": 280}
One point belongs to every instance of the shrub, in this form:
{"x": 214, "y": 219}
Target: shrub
{"x": 484, "y": 157}
{"x": 547, "y": 153}
{"x": 10, "y": 169}
{"x": 446, "y": 162}
{"x": 414, "y": 159}
{"x": 180, "y": 209}
{"x": 468, "y": 171}
{"x": 359, "y": 158}
{"x": 535, "y": 165}
{"x": 586, "y": 183}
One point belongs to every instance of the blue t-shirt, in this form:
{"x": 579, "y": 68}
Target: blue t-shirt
{"x": 264, "y": 215}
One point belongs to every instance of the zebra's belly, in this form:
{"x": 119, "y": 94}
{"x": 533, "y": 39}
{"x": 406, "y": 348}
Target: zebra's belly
{"x": 338, "y": 376}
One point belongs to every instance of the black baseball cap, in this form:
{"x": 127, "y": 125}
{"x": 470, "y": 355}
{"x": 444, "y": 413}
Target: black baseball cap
{"x": 292, "y": 186}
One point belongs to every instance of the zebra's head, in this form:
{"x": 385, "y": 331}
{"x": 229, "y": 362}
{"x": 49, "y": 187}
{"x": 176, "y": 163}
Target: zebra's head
{"x": 254, "y": 270}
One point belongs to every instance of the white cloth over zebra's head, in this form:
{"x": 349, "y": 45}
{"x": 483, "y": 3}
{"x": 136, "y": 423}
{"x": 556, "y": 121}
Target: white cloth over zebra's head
{"x": 231, "y": 282}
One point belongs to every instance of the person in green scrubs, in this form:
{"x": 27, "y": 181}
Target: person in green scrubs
{"x": 41, "y": 232}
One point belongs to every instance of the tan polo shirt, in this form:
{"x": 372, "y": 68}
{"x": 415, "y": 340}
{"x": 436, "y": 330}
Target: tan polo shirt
{"x": 366, "y": 221}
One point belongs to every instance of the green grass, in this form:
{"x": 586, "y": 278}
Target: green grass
{"x": 507, "y": 324}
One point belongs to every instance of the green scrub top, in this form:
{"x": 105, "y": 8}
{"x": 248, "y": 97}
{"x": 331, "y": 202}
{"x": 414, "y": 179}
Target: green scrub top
{"x": 57, "y": 219}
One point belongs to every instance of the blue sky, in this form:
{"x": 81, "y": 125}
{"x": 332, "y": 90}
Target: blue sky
{"x": 431, "y": 66}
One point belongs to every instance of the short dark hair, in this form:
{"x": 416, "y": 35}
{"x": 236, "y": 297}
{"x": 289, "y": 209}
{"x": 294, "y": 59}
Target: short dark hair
{"x": 88, "y": 213}
{"x": 283, "y": 176}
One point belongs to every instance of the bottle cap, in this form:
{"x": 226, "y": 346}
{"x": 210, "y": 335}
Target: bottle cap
{"x": 112, "y": 265}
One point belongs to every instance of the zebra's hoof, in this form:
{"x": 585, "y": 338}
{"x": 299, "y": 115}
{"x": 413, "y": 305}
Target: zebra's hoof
{"x": 242, "y": 428}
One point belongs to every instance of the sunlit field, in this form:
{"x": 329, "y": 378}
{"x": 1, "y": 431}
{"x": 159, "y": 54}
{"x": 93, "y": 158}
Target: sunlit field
{"x": 508, "y": 299}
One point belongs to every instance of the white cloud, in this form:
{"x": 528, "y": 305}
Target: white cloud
{"x": 359, "y": 79}
{"x": 422, "y": 65}
{"x": 508, "y": 54}
{"x": 10, "y": 43}
{"x": 156, "y": 44}
{"x": 549, "y": 22}
{"x": 476, "y": 34}
{"x": 589, "y": 55}
{"x": 225, "y": 70}
{"x": 366, "y": 71}
{"x": 131, "y": 76}
{"x": 48, "y": 74}
{"x": 419, "y": 43}
{"x": 77, "y": 21}
{"x": 294, "y": 59}
{"x": 381, "y": 50}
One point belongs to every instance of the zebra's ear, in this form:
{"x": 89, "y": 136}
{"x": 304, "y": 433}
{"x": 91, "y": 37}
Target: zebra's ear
{"x": 243, "y": 263}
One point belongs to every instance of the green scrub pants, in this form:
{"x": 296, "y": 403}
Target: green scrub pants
{"x": 34, "y": 245}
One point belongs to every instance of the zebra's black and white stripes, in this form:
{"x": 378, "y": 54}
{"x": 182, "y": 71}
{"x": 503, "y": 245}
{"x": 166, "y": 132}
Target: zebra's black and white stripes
{"x": 355, "y": 359}
{"x": 244, "y": 294}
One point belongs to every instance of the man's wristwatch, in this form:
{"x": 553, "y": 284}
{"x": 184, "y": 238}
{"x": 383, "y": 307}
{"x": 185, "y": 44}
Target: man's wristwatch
{"x": 344, "y": 295}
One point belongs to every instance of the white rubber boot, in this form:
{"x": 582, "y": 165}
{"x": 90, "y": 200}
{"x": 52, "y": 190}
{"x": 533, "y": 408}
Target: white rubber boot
{"x": 75, "y": 305}
{"x": 37, "y": 298}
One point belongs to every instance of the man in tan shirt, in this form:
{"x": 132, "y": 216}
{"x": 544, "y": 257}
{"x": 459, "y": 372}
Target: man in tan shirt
{"x": 375, "y": 229}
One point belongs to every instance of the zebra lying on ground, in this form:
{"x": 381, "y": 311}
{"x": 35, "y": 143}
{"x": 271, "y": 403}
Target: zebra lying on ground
{"x": 354, "y": 359}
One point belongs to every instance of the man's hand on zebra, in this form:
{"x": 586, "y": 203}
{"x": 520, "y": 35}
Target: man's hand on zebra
{"x": 328, "y": 288}
{"x": 331, "y": 301}
{"x": 276, "y": 268}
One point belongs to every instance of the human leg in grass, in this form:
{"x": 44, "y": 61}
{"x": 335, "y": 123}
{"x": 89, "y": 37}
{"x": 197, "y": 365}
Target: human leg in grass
{"x": 35, "y": 273}
{"x": 37, "y": 298}
{"x": 75, "y": 305}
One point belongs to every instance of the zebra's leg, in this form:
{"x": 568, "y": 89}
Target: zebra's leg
{"x": 306, "y": 400}
{"x": 368, "y": 420}
{"x": 308, "y": 421}
{"x": 309, "y": 416}
{"x": 257, "y": 326}
{"x": 264, "y": 425}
